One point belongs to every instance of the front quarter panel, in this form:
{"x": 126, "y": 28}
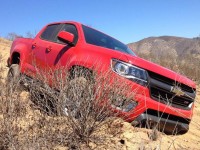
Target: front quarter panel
{"x": 23, "y": 47}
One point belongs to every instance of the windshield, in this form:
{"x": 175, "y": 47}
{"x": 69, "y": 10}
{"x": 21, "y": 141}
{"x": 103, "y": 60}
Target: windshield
{"x": 97, "y": 38}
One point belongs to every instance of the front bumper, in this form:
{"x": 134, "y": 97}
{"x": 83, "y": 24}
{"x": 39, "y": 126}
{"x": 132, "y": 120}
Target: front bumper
{"x": 163, "y": 122}
{"x": 161, "y": 106}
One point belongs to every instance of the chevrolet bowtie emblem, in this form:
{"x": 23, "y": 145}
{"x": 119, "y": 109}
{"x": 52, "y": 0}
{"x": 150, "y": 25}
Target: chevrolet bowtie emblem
{"x": 177, "y": 90}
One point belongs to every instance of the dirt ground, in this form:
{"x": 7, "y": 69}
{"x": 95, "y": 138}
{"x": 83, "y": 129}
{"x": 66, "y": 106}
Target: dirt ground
{"x": 136, "y": 138}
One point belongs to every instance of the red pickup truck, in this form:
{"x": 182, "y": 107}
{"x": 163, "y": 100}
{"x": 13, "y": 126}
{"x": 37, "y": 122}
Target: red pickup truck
{"x": 165, "y": 97}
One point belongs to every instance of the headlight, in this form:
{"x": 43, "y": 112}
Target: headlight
{"x": 122, "y": 68}
{"x": 129, "y": 71}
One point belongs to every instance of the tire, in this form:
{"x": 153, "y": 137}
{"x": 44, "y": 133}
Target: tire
{"x": 82, "y": 72}
{"x": 79, "y": 79}
{"x": 13, "y": 75}
{"x": 75, "y": 85}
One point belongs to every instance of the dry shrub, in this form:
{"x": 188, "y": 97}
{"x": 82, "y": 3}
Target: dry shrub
{"x": 84, "y": 99}
{"x": 74, "y": 112}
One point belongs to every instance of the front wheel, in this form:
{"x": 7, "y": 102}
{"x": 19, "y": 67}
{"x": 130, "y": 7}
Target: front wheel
{"x": 13, "y": 75}
{"x": 72, "y": 101}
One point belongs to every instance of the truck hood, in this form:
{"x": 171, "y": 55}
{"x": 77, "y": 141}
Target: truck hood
{"x": 149, "y": 66}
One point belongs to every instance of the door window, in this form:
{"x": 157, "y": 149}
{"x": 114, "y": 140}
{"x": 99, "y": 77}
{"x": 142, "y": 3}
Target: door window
{"x": 51, "y": 32}
{"x": 71, "y": 29}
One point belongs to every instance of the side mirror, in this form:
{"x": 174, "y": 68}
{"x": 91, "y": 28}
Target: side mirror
{"x": 66, "y": 37}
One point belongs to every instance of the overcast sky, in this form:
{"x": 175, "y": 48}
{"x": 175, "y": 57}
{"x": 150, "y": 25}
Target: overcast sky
{"x": 126, "y": 20}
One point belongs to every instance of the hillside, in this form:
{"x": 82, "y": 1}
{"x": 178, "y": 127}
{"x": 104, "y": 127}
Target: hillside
{"x": 176, "y": 53}
{"x": 168, "y": 46}
{"x": 36, "y": 129}
{"x": 4, "y": 52}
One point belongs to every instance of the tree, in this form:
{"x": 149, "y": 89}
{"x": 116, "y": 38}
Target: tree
{"x": 12, "y": 36}
{"x": 29, "y": 35}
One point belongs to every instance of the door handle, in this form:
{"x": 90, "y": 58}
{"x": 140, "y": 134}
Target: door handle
{"x": 48, "y": 49}
{"x": 33, "y": 45}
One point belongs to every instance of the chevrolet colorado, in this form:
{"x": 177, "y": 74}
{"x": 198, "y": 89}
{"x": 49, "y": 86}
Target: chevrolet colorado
{"x": 164, "y": 96}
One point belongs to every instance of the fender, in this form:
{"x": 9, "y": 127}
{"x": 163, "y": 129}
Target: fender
{"x": 22, "y": 49}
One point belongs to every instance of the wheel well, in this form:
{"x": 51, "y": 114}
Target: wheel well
{"x": 15, "y": 58}
{"x": 77, "y": 71}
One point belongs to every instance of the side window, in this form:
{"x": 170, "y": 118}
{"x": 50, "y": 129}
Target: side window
{"x": 71, "y": 29}
{"x": 51, "y": 32}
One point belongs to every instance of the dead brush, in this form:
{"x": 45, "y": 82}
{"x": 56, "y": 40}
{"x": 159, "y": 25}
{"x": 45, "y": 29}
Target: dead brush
{"x": 10, "y": 111}
{"x": 74, "y": 111}
{"x": 85, "y": 100}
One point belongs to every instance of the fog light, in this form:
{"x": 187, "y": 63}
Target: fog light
{"x": 129, "y": 106}
{"x": 125, "y": 106}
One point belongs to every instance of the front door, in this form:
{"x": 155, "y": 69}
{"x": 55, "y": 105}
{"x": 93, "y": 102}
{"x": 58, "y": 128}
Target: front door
{"x": 50, "y": 53}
